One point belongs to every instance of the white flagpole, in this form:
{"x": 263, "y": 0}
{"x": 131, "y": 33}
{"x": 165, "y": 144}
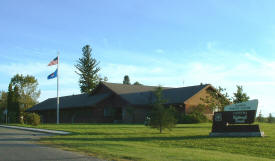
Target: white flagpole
{"x": 57, "y": 98}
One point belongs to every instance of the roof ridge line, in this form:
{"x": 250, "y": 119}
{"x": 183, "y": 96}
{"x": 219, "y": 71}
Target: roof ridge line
{"x": 134, "y": 85}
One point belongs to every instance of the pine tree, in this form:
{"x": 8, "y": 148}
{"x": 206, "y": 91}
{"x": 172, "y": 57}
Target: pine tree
{"x": 10, "y": 96}
{"x": 10, "y": 102}
{"x": 16, "y": 104}
{"x": 126, "y": 80}
{"x": 13, "y": 104}
{"x": 88, "y": 71}
{"x": 270, "y": 118}
{"x": 239, "y": 96}
{"x": 260, "y": 117}
{"x": 162, "y": 117}
{"x": 3, "y": 104}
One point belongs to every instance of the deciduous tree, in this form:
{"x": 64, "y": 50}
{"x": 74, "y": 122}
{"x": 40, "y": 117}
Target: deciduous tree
{"x": 137, "y": 83}
{"x": 126, "y": 80}
{"x": 217, "y": 99}
{"x": 27, "y": 89}
{"x": 3, "y": 100}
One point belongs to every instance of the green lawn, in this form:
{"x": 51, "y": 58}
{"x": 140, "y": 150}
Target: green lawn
{"x": 185, "y": 142}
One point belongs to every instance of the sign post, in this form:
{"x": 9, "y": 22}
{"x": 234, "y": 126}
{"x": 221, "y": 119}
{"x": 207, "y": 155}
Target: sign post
{"x": 236, "y": 120}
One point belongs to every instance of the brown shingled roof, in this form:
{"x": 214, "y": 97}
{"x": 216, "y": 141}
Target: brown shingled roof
{"x": 125, "y": 88}
{"x": 172, "y": 95}
{"x": 133, "y": 94}
{"x": 66, "y": 102}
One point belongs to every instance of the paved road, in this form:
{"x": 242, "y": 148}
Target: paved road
{"x": 19, "y": 145}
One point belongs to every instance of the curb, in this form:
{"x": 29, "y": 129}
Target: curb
{"x": 37, "y": 130}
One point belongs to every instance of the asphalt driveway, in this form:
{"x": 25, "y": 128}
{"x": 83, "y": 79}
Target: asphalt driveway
{"x": 19, "y": 145}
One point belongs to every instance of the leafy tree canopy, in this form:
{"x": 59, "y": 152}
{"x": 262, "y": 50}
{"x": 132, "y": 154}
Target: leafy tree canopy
{"x": 3, "y": 100}
{"x": 137, "y": 83}
{"x": 27, "y": 89}
{"x": 126, "y": 80}
{"x": 217, "y": 99}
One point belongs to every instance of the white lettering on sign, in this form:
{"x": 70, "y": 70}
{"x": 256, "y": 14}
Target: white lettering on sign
{"x": 244, "y": 106}
{"x": 240, "y": 117}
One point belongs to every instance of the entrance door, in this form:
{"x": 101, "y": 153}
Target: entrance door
{"x": 118, "y": 113}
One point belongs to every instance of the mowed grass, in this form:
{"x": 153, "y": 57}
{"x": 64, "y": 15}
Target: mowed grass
{"x": 185, "y": 142}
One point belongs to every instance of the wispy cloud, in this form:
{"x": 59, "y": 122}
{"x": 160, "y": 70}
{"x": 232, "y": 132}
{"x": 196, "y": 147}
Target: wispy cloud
{"x": 211, "y": 45}
{"x": 160, "y": 51}
{"x": 68, "y": 78}
{"x": 26, "y": 68}
{"x": 254, "y": 73}
{"x": 213, "y": 65}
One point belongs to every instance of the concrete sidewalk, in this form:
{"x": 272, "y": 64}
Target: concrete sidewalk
{"x": 37, "y": 130}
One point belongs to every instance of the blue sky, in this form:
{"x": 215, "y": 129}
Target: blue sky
{"x": 168, "y": 43}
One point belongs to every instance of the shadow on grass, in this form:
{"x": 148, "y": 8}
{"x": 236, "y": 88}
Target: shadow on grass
{"x": 158, "y": 138}
{"x": 194, "y": 127}
{"x": 111, "y": 133}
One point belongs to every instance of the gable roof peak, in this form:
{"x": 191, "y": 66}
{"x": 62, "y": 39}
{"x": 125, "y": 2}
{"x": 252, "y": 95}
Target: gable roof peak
{"x": 119, "y": 88}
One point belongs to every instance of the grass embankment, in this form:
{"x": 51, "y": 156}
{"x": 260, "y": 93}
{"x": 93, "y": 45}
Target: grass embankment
{"x": 185, "y": 142}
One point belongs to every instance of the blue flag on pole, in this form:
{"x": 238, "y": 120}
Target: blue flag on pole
{"x": 53, "y": 75}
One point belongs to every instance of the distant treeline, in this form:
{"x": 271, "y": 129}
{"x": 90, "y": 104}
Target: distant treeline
{"x": 269, "y": 119}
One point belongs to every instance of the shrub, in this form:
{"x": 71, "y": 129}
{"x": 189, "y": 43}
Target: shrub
{"x": 147, "y": 120}
{"x": 198, "y": 113}
{"x": 21, "y": 120}
{"x": 196, "y": 116}
{"x": 13, "y": 117}
{"x": 32, "y": 119}
{"x": 200, "y": 118}
{"x": 188, "y": 119}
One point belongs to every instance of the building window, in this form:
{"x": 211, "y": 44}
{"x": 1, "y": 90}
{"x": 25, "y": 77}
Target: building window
{"x": 107, "y": 111}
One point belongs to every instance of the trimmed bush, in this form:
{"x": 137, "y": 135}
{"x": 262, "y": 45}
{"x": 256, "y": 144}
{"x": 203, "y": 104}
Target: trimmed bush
{"x": 32, "y": 119}
{"x": 188, "y": 119}
{"x": 193, "y": 118}
{"x": 196, "y": 116}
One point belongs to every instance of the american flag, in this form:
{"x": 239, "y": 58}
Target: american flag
{"x": 53, "y": 62}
